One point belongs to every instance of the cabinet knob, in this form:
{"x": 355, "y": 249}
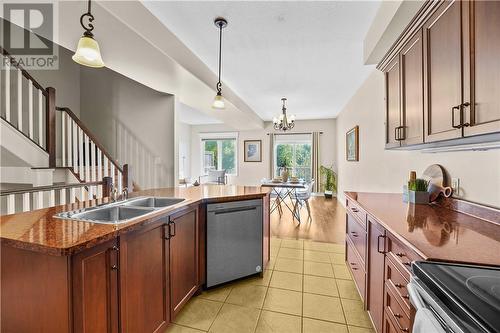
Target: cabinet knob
{"x": 397, "y": 315}
{"x": 399, "y": 285}
{"x": 114, "y": 267}
{"x": 115, "y": 248}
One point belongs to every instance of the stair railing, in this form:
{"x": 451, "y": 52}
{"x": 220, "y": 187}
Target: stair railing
{"x": 23, "y": 200}
{"x": 27, "y": 106}
{"x": 82, "y": 153}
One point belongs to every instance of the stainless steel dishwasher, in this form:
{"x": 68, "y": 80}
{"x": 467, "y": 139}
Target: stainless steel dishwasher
{"x": 234, "y": 240}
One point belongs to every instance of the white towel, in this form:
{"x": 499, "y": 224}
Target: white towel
{"x": 425, "y": 322}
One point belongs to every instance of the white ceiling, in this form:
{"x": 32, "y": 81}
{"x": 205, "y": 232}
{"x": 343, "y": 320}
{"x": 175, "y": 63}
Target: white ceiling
{"x": 309, "y": 52}
{"x": 191, "y": 116}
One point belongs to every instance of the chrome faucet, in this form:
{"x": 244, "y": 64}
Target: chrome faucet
{"x": 113, "y": 194}
{"x": 125, "y": 193}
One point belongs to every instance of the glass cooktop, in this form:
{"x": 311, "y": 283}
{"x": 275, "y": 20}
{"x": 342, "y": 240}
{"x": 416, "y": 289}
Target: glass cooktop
{"x": 465, "y": 289}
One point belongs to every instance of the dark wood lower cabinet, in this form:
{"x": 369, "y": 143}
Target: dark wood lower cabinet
{"x": 376, "y": 259}
{"x": 95, "y": 289}
{"x": 144, "y": 276}
{"x": 184, "y": 260}
{"x": 387, "y": 265}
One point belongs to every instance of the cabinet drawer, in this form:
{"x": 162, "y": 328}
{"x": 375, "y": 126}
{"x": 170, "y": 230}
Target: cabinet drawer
{"x": 394, "y": 310}
{"x": 401, "y": 256}
{"x": 356, "y": 211}
{"x": 357, "y": 268}
{"x": 398, "y": 283}
{"x": 356, "y": 232}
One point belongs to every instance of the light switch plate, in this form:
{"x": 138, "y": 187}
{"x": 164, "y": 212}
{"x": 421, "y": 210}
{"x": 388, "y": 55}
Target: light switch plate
{"x": 455, "y": 185}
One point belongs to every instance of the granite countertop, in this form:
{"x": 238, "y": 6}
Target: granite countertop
{"x": 433, "y": 231}
{"x": 40, "y": 231}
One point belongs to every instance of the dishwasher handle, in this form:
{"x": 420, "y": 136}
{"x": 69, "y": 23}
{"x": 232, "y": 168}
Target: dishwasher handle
{"x": 233, "y": 210}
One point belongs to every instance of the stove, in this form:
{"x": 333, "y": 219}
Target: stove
{"x": 470, "y": 294}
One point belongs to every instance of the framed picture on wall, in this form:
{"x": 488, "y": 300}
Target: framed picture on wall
{"x": 352, "y": 144}
{"x": 253, "y": 150}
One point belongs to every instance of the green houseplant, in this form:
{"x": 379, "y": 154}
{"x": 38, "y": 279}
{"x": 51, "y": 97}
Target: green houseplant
{"x": 418, "y": 191}
{"x": 328, "y": 181}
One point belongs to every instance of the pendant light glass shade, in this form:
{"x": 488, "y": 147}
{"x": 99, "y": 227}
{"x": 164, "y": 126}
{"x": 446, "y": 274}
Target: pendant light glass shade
{"x": 218, "y": 102}
{"x": 88, "y": 53}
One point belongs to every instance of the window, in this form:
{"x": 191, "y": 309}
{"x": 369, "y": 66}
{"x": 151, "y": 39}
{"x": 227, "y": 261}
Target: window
{"x": 294, "y": 151}
{"x": 219, "y": 152}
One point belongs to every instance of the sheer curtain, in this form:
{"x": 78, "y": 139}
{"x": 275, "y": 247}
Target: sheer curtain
{"x": 316, "y": 161}
{"x": 271, "y": 153}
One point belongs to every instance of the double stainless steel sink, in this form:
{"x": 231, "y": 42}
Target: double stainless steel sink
{"x": 121, "y": 211}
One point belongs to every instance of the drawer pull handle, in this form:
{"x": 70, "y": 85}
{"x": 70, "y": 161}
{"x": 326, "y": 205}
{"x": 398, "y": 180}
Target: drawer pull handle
{"x": 399, "y": 285}
{"x": 405, "y": 330}
{"x": 355, "y": 210}
{"x": 400, "y": 254}
{"x": 406, "y": 296}
{"x": 354, "y": 234}
{"x": 397, "y": 315}
{"x": 407, "y": 264}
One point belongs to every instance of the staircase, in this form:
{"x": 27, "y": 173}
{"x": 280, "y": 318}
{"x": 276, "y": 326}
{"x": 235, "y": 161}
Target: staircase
{"x": 46, "y": 137}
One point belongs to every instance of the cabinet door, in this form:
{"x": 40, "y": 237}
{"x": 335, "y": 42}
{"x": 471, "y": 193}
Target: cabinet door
{"x": 393, "y": 103}
{"x": 184, "y": 280}
{"x": 376, "y": 257}
{"x": 443, "y": 72}
{"x": 144, "y": 302}
{"x": 484, "y": 112}
{"x": 95, "y": 289}
{"x": 412, "y": 112}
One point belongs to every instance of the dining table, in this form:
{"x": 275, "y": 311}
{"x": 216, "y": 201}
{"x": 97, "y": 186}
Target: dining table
{"x": 281, "y": 190}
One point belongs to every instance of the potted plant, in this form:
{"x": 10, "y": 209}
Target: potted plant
{"x": 328, "y": 181}
{"x": 418, "y": 191}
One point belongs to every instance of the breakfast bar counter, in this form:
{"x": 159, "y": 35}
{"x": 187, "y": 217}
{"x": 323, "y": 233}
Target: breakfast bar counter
{"x": 40, "y": 231}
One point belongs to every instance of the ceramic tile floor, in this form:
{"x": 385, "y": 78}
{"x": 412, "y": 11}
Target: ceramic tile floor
{"x": 307, "y": 288}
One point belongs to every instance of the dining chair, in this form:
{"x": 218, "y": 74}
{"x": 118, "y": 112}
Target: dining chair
{"x": 302, "y": 198}
{"x": 274, "y": 195}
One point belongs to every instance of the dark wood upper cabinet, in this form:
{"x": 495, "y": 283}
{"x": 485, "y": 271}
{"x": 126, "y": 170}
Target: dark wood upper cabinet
{"x": 393, "y": 103}
{"x": 184, "y": 260}
{"x": 144, "y": 293}
{"x": 95, "y": 289}
{"x": 443, "y": 72}
{"x": 484, "y": 90}
{"x": 412, "y": 110}
{"x": 376, "y": 258}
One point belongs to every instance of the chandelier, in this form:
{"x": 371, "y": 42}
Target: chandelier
{"x": 283, "y": 123}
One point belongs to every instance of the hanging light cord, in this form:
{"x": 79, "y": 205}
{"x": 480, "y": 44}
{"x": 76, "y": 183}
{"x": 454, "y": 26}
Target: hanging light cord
{"x": 219, "y": 84}
{"x": 89, "y": 27}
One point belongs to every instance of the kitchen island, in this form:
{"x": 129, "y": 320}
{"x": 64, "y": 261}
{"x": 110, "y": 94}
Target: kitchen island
{"x": 62, "y": 275}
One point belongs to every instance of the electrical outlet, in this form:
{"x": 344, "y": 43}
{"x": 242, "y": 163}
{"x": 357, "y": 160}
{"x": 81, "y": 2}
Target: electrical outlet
{"x": 455, "y": 186}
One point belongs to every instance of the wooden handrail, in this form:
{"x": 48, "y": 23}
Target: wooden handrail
{"x": 51, "y": 187}
{"x": 16, "y": 64}
{"x": 90, "y": 135}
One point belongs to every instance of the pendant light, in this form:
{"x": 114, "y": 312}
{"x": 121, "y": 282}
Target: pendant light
{"x": 283, "y": 123}
{"x": 218, "y": 103}
{"x": 87, "y": 52}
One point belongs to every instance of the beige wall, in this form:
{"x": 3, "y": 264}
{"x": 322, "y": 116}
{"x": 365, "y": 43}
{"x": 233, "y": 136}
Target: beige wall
{"x": 380, "y": 170}
{"x": 251, "y": 173}
{"x": 133, "y": 122}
